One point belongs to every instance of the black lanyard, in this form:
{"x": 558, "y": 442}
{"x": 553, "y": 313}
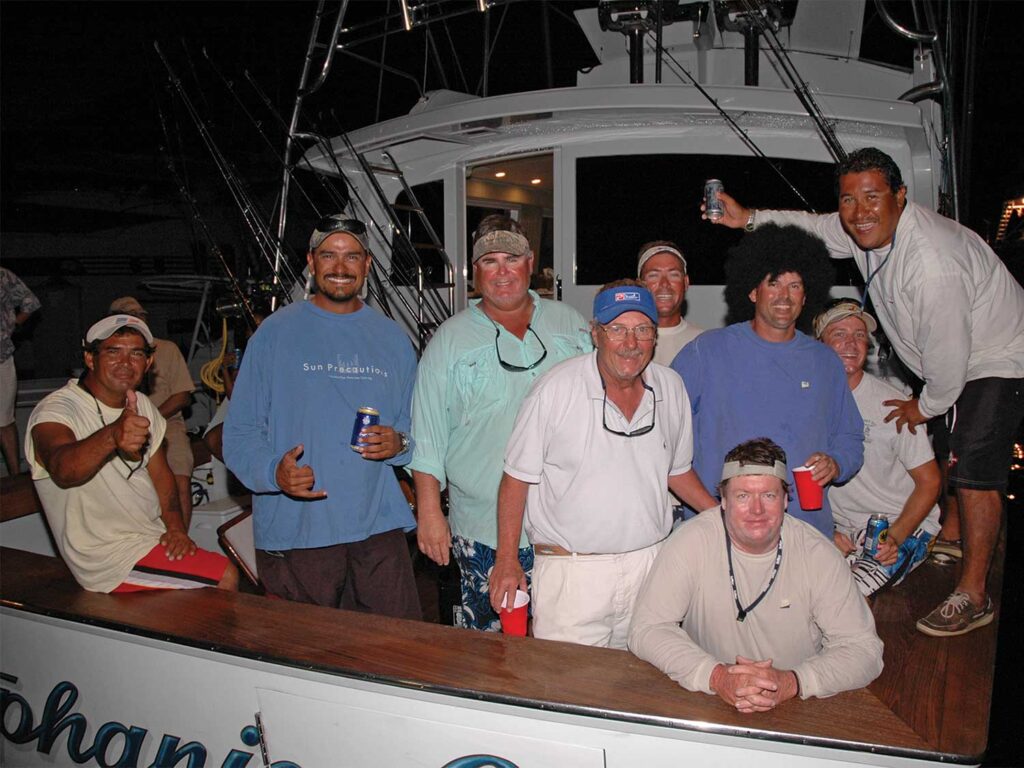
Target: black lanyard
{"x": 741, "y": 612}
{"x": 876, "y": 270}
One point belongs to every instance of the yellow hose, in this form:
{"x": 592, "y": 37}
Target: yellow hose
{"x": 210, "y": 374}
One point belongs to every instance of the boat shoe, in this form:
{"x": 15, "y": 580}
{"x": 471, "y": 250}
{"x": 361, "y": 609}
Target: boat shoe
{"x": 957, "y": 615}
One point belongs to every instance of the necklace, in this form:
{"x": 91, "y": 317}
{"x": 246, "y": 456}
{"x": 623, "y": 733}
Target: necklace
{"x": 741, "y": 612}
{"x": 142, "y": 456}
{"x": 876, "y": 270}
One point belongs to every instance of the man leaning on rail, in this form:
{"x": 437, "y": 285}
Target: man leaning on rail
{"x": 98, "y": 457}
{"x": 752, "y": 605}
{"x": 329, "y": 519}
{"x": 597, "y": 444}
{"x": 955, "y": 316}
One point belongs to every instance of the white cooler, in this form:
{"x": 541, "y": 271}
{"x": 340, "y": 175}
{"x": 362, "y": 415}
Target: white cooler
{"x": 207, "y": 518}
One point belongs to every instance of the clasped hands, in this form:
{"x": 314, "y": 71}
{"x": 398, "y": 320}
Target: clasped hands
{"x": 753, "y": 686}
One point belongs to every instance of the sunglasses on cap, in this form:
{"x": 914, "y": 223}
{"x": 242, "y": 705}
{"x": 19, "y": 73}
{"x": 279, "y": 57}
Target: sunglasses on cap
{"x": 337, "y": 222}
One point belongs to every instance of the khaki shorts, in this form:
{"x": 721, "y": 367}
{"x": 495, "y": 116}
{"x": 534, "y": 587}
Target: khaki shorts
{"x": 8, "y": 391}
{"x": 179, "y": 448}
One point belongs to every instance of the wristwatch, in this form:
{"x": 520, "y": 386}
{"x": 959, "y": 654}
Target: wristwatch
{"x": 749, "y": 226}
{"x": 406, "y": 442}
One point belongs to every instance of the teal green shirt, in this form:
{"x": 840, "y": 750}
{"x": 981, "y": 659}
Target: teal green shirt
{"x": 464, "y": 404}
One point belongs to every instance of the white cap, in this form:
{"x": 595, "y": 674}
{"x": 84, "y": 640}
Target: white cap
{"x": 106, "y": 327}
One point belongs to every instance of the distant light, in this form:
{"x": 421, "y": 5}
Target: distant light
{"x": 535, "y": 181}
{"x": 499, "y": 175}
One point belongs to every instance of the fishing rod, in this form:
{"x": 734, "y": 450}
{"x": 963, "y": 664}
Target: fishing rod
{"x": 681, "y": 71}
{"x": 797, "y": 83}
{"x": 400, "y": 257}
{"x": 230, "y": 87}
{"x": 336, "y": 198}
{"x": 198, "y": 220}
{"x": 251, "y": 215}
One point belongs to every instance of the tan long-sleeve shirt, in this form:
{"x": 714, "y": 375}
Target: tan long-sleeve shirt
{"x": 813, "y": 621}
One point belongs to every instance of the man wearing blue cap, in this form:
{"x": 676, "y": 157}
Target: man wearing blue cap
{"x": 597, "y": 444}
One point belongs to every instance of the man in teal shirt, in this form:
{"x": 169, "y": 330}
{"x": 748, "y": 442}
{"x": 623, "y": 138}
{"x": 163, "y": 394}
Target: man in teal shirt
{"x": 473, "y": 375}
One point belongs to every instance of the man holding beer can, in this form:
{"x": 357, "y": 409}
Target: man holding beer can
{"x": 898, "y": 486}
{"x": 329, "y": 516}
{"x": 955, "y": 316}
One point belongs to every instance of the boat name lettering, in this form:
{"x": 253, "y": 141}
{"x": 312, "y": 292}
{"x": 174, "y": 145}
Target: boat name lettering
{"x": 17, "y": 724}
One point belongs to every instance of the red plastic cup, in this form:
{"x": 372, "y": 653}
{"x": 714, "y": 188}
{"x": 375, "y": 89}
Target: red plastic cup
{"x": 513, "y": 622}
{"x": 809, "y": 493}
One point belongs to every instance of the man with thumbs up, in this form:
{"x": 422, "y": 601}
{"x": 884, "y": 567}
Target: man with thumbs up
{"x": 329, "y": 518}
{"x": 99, "y": 463}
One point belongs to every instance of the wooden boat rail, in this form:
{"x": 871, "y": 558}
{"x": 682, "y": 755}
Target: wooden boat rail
{"x": 931, "y": 702}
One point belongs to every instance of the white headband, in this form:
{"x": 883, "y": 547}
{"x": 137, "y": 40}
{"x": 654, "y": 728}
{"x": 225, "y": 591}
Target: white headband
{"x": 735, "y": 468}
{"x": 654, "y": 250}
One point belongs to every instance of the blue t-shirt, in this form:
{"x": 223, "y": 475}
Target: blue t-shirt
{"x": 794, "y": 392}
{"x": 305, "y": 373}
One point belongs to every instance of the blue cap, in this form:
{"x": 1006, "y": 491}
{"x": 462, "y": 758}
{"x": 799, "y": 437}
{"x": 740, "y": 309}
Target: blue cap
{"x": 612, "y": 302}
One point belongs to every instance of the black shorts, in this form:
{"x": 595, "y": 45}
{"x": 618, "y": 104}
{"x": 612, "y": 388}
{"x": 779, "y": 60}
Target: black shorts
{"x": 979, "y": 431}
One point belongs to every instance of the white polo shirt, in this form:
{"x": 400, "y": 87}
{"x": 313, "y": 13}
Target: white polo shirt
{"x": 590, "y": 490}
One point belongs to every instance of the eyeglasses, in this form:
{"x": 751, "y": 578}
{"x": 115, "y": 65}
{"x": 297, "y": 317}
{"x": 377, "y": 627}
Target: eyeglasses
{"x": 619, "y": 332}
{"x": 518, "y": 368}
{"x": 337, "y": 222}
{"x": 635, "y": 432}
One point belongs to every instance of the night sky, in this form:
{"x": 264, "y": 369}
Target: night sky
{"x": 82, "y": 78}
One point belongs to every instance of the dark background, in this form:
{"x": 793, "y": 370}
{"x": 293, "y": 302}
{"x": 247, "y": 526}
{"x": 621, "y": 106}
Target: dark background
{"x": 82, "y": 91}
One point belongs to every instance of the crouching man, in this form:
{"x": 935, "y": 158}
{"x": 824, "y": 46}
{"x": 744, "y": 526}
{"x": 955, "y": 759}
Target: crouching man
{"x": 751, "y": 604}
{"x": 96, "y": 450}
{"x": 899, "y": 479}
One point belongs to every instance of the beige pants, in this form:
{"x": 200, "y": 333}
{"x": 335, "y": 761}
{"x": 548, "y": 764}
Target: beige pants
{"x": 588, "y": 599}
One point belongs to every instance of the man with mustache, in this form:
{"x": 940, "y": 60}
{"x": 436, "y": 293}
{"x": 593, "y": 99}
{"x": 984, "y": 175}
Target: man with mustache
{"x": 598, "y": 443}
{"x": 762, "y": 377}
{"x": 955, "y": 317}
{"x": 331, "y": 529}
{"x": 98, "y": 457}
{"x": 661, "y": 266}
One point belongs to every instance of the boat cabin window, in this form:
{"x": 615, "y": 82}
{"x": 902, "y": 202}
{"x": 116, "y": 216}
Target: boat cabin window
{"x": 623, "y": 201}
{"x": 521, "y": 188}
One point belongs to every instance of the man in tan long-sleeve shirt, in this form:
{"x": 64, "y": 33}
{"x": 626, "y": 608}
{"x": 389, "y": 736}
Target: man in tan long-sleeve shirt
{"x": 752, "y": 605}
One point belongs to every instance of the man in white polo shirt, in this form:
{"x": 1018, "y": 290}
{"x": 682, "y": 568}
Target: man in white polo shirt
{"x": 598, "y": 442}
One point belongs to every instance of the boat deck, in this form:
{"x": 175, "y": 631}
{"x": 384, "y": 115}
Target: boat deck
{"x": 932, "y": 701}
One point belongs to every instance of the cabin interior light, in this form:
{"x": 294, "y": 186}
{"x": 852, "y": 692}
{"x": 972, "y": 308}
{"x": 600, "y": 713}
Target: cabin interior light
{"x": 535, "y": 181}
{"x": 499, "y": 175}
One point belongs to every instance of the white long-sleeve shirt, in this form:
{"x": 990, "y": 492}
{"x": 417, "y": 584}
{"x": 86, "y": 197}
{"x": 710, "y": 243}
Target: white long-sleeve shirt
{"x": 812, "y": 621}
{"x": 950, "y": 307}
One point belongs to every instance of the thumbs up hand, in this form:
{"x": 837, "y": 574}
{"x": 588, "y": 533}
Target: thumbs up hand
{"x": 131, "y": 431}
